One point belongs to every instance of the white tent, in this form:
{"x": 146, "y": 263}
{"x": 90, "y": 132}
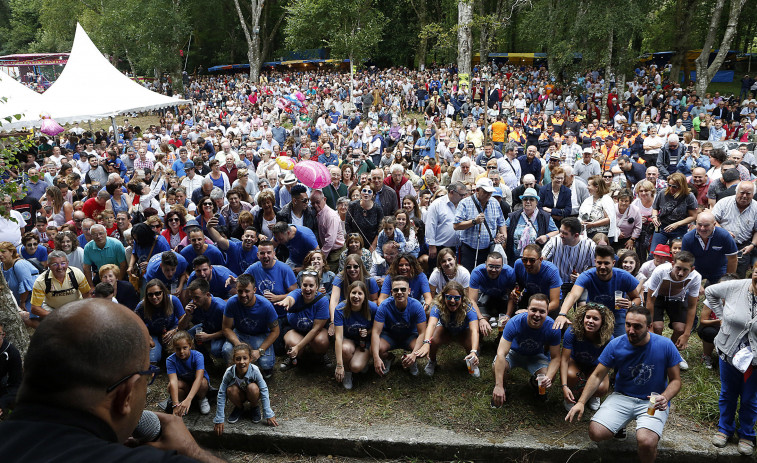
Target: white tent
{"x": 90, "y": 88}
{"x": 18, "y": 100}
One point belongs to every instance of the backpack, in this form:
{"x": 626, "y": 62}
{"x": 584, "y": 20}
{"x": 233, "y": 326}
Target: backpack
{"x": 49, "y": 280}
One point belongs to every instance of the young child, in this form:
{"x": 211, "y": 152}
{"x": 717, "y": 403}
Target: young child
{"x": 661, "y": 254}
{"x": 52, "y": 230}
{"x": 389, "y": 232}
{"x": 104, "y": 291}
{"x": 187, "y": 378}
{"x": 675, "y": 247}
{"x": 243, "y": 382}
{"x": 108, "y": 220}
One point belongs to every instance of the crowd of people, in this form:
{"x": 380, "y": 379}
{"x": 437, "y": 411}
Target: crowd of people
{"x": 509, "y": 203}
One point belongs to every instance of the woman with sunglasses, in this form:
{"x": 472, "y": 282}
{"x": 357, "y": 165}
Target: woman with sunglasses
{"x": 247, "y": 181}
{"x": 407, "y": 266}
{"x": 354, "y": 270}
{"x": 208, "y": 209}
{"x": 30, "y": 249}
{"x": 307, "y": 315}
{"x": 173, "y": 232}
{"x": 147, "y": 243}
{"x": 452, "y": 318}
{"x": 161, "y": 312}
{"x": 364, "y": 217}
{"x": 673, "y": 210}
{"x": 353, "y": 321}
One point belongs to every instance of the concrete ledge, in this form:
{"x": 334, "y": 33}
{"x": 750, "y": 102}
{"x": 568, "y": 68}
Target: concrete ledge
{"x": 428, "y": 442}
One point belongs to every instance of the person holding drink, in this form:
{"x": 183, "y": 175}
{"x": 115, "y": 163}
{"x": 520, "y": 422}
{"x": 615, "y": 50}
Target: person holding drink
{"x": 452, "y": 318}
{"x": 353, "y": 319}
{"x": 644, "y": 362}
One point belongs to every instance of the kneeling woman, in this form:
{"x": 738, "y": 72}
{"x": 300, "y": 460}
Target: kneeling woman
{"x": 452, "y": 318}
{"x": 582, "y": 345}
{"x": 308, "y": 312}
{"x": 162, "y": 314}
{"x": 353, "y": 320}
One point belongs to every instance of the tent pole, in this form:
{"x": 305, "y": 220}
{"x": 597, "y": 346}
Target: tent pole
{"x": 115, "y": 128}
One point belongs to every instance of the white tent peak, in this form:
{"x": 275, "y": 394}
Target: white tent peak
{"x": 19, "y": 99}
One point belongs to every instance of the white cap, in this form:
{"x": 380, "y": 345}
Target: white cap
{"x": 485, "y": 184}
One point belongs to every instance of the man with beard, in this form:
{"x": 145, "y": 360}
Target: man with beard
{"x": 603, "y": 285}
{"x": 644, "y": 362}
{"x": 205, "y": 319}
{"x": 490, "y": 284}
{"x": 536, "y": 276}
{"x": 239, "y": 255}
{"x": 218, "y": 277}
{"x": 170, "y": 268}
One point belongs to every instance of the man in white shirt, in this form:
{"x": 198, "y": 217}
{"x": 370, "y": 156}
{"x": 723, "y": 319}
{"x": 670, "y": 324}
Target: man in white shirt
{"x": 192, "y": 181}
{"x": 571, "y": 151}
{"x": 509, "y": 167}
{"x": 440, "y": 217}
{"x": 738, "y": 216}
{"x": 587, "y": 167}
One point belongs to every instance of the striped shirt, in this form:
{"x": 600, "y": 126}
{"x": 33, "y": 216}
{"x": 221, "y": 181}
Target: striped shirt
{"x": 742, "y": 224}
{"x": 477, "y": 236}
{"x": 569, "y": 258}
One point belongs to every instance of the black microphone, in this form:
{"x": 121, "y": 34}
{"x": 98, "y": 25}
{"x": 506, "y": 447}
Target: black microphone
{"x": 148, "y": 428}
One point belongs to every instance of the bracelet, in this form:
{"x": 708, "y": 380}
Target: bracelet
{"x": 427, "y": 341}
{"x": 474, "y": 351}
{"x": 562, "y": 315}
{"x": 564, "y": 385}
{"x": 338, "y": 365}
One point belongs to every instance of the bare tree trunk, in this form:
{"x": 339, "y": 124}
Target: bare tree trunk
{"x": 608, "y": 71}
{"x": 421, "y": 10}
{"x": 15, "y": 331}
{"x": 682, "y": 27}
{"x": 252, "y": 35}
{"x": 485, "y": 33}
{"x": 705, "y": 73}
{"x": 464, "y": 36}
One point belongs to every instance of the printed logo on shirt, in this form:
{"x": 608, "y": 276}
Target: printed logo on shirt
{"x": 641, "y": 373}
{"x": 247, "y": 324}
{"x": 529, "y": 345}
{"x": 266, "y": 285}
{"x": 584, "y": 358}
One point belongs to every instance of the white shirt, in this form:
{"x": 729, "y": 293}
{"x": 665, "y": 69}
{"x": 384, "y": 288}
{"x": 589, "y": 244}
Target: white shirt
{"x": 661, "y": 273}
{"x": 10, "y": 229}
{"x": 440, "y": 218}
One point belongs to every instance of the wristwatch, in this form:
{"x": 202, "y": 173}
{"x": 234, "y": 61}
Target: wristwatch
{"x": 261, "y": 351}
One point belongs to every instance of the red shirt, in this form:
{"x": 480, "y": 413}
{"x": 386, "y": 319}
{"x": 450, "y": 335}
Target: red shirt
{"x": 92, "y": 207}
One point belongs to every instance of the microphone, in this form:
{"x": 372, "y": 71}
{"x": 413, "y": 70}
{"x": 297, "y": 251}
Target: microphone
{"x": 148, "y": 428}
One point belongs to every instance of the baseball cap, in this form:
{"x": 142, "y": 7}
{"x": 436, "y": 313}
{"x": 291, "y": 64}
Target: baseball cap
{"x": 485, "y": 184}
{"x": 662, "y": 250}
{"x": 189, "y": 165}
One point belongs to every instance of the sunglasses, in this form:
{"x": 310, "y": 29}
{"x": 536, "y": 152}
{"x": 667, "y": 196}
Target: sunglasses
{"x": 175, "y": 219}
{"x": 155, "y": 294}
{"x": 528, "y": 260}
{"x": 491, "y": 167}
{"x": 367, "y": 191}
{"x": 352, "y": 267}
{"x": 399, "y": 290}
{"x": 208, "y": 204}
{"x": 450, "y": 297}
{"x": 311, "y": 273}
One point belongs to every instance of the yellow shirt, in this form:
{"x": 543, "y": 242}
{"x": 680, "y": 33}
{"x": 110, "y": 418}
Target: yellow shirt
{"x": 60, "y": 293}
{"x": 498, "y": 132}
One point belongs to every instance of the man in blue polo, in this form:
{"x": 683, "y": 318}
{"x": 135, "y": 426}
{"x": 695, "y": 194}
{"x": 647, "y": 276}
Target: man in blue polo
{"x": 205, "y": 320}
{"x": 714, "y": 249}
{"x": 400, "y": 323}
{"x": 239, "y": 254}
{"x": 299, "y": 240}
{"x": 170, "y": 268}
{"x": 217, "y": 277}
{"x": 252, "y": 320}
{"x": 490, "y": 284}
{"x": 100, "y": 251}
{"x": 534, "y": 275}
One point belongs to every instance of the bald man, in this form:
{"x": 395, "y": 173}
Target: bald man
{"x": 83, "y": 391}
{"x": 714, "y": 249}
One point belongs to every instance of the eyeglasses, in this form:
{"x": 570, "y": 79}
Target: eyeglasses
{"x": 153, "y": 371}
{"x": 494, "y": 267}
{"x": 450, "y": 297}
{"x": 174, "y": 219}
{"x": 399, "y": 290}
{"x": 78, "y": 220}
{"x": 158, "y": 226}
{"x": 529, "y": 260}
{"x": 366, "y": 191}
{"x": 59, "y": 264}
{"x": 673, "y": 186}
{"x": 155, "y": 294}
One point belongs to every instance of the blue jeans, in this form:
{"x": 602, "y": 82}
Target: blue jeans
{"x": 663, "y": 237}
{"x": 265, "y": 362}
{"x": 732, "y": 386}
{"x": 156, "y": 352}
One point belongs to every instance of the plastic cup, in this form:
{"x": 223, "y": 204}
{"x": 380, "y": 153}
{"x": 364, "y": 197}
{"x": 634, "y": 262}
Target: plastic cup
{"x": 469, "y": 364}
{"x": 652, "y": 403}
{"x": 618, "y": 295}
{"x": 198, "y": 331}
{"x": 541, "y": 381}
{"x": 501, "y": 322}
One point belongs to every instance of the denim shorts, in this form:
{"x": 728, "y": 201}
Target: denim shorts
{"x": 395, "y": 343}
{"x": 618, "y": 409}
{"x": 530, "y": 363}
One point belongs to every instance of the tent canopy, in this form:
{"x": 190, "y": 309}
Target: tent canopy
{"x": 19, "y": 100}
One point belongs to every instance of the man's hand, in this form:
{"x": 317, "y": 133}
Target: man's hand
{"x": 272, "y": 422}
{"x": 500, "y": 238}
{"x": 575, "y": 413}
{"x": 661, "y": 403}
{"x": 484, "y": 327}
{"x": 175, "y": 436}
{"x": 423, "y": 351}
{"x": 254, "y": 356}
{"x": 683, "y": 341}
{"x": 630, "y": 244}
{"x": 181, "y": 408}
{"x": 378, "y": 365}
{"x": 560, "y": 322}
{"x": 232, "y": 280}
{"x": 479, "y": 218}
{"x": 408, "y": 360}
{"x": 498, "y": 396}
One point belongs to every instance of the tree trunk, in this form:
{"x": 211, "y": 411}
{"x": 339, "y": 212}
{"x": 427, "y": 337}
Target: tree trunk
{"x": 608, "y": 71}
{"x": 421, "y": 10}
{"x": 464, "y": 36}
{"x": 15, "y": 331}
{"x": 252, "y": 35}
{"x": 705, "y": 73}
{"x": 253, "y": 55}
{"x": 682, "y": 26}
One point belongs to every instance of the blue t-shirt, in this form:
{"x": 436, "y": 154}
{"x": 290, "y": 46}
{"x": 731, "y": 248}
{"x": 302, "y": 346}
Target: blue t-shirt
{"x": 161, "y": 245}
{"x": 400, "y": 324}
{"x": 154, "y": 271}
{"x": 277, "y": 279}
{"x": 712, "y": 262}
{"x": 528, "y": 341}
{"x": 303, "y": 242}
{"x": 502, "y": 285}
{"x": 186, "y": 369}
{"x": 355, "y": 322}
{"x": 547, "y": 278}
{"x": 40, "y": 254}
{"x": 370, "y": 282}
{"x": 418, "y": 287}
{"x": 585, "y": 352}
{"x": 302, "y": 318}
{"x": 251, "y": 320}
{"x": 212, "y": 319}
{"x": 212, "y": 253}
{"x": 450, "y": 325}
{"x": 603, "y": 292}
{"x": 640, "y": 370}
{"x": 237, "y": 259}
{"x": 217, "y": 281}
{"x": 160, "y": 323}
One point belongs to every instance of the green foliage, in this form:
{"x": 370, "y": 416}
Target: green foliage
{"x": 348, "y": 29}
{"x": 21, "y": 25}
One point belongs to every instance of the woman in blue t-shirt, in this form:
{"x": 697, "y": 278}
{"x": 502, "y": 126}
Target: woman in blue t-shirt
{"x": 317, "y": 260}
{"x": 452, "y": 318}
{"x": 307, "y": 314}
{"x": 162, "y": 313}
{"x": 353, "y": 271}
{"x": 582, "y": 345}
{"x": 353, "y": 321}
{"x": 407, "y": 266}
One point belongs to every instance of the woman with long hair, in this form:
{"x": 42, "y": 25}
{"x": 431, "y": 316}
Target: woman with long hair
{"x": 452, "y": 318}
{"x": 20, "y": 276}
{"x": 265, "y": 216}
{"x": 62, "y": 211}
{"x": 673, "y": 210}
{"x": 406, "y": 225}
{"x": 161, "y": 312}
{"x": 407, "y": 265}
{"x": 67, "y": 242}
{"x": 174, "y": 223}
{"x": 207, "y": 210}
{"x": 353, "y": 271}
{"x": 582, "y": 345}
{"x": 448, "y": 270}
{"x": 316, "y": 259}
{"x": 645, "y": 195}
{"x": 597, "y": 212}
{"x": 353, "y": 320}
{"x": 629, "y": 261}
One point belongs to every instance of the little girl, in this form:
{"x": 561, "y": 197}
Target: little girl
{"x": 389, "y": 232}
{"x": 187, "y": 377}
{"x": 243, "y": 382}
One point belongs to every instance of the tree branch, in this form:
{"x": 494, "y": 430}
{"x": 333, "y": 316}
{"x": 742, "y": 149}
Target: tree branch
{"x": 244, "y": 23}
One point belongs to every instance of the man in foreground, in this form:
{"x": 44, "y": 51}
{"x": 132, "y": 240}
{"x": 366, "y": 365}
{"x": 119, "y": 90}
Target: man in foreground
{"x": 645, "y": 363}
{"x": 82, "y": 396}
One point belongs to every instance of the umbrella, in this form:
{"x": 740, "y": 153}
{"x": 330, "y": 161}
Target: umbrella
{"x": 312, "y": 174}
{"x": 50, "y": 127}
{"x": 285, "y": 162}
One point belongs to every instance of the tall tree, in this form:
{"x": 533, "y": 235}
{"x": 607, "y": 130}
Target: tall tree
{"x": 254, "y": 29}
{"x": 705, "y": 73}
{"x": 464, "y": 36}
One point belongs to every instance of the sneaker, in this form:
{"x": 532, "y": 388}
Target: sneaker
{"x": 746, "y": 447}
{"x": 347, "y": 381}
{"x": 204, "y": 406}
{"x": 256, "y": 415}
{"x": 430, "y": 368}
{"x": 413, "y": 369}
{"x": 288, "y": 363}
{"x": 621, "y": 434}
{"x": 567, "y": 404}
{"x": 707, "y": 361}
{"x": 166, "y": 406}
{"x": 267, "y": 373}
{"x": 719, "y": 440}
{"x": 683, "y": 365}
{"x": 235, "y": 414}
{"x": 594, "y": 403}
